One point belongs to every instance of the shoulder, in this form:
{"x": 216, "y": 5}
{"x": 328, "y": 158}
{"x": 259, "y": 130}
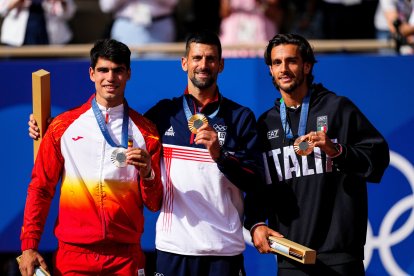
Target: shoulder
{"x": 66, "y": 118}
{"x": 144, "y": 124}
{"x": 163, "y": 106}
{"x": 235, "y": 107}
{"x": 271, "y": 112}
{"x": 322, "y": 95}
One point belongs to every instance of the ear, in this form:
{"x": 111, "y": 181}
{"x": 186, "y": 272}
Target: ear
{"x": 129, "y": 73}
{"x": 91, "y": 74}
{"x": 307, "y": 68}
{"x": 221, "y": 67}
{"x": 270, "y": 70}
{"x": 184, "y": 63}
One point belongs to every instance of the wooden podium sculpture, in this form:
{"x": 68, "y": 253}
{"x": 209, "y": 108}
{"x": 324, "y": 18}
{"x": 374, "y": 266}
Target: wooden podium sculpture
{"x": 41, "y": 113}
{"x": 41, "y": 103}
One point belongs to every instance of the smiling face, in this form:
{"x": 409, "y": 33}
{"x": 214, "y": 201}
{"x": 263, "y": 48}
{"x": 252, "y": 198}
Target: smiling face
{"x": 110, "y": 81}
{"x": 287, "y": 68}
{"x": 203, "y": 65}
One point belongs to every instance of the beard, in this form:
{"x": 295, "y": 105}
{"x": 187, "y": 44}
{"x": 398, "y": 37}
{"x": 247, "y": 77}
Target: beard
{"x": 290, "y": 88}
{"x": 205, "y": 83}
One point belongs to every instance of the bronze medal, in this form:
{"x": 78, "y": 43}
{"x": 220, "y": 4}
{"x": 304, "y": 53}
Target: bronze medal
{"x": 118, "y": 157}
{"x": 303, "y": 146}
{"x": 196, "y": 121}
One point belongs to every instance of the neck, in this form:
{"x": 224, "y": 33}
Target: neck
{"x": 295, "y": 98}
{"x": 203, "y": 96}
{"x": 108, "y": 103}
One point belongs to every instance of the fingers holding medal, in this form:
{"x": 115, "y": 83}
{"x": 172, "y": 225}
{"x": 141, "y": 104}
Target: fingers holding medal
{"x": 304, "y": 145}
{"x": 140, "y": 158}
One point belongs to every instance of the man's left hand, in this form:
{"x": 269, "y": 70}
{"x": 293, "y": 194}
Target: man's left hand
{"x": 141, "y": 159}
{"x": 207, "y": 136}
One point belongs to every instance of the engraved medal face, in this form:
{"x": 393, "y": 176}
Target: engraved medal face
{"x": 118, "y": 157}
{"x": 196, "y": 121}
{"x": 303, "y": 146}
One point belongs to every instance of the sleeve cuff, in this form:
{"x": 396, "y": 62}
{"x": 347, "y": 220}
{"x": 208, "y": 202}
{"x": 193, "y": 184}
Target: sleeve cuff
{"x": 256, "y": 225}
{"x": 29, "y": 244}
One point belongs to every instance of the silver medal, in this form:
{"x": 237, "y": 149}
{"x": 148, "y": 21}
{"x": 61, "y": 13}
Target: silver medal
{"x": 118, "y": 157}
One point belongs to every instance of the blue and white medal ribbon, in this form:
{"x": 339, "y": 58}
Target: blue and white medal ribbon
{"x": 118, "y": 156}
{"x": 197, "y": 120}
{"x": 301, "y": 145}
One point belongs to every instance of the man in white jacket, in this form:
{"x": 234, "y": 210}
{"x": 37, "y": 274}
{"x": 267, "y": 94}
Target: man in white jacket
{"x": 36, "y": 21}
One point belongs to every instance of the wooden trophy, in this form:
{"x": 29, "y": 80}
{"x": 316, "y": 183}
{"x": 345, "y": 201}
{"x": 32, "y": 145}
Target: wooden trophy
{"x": 41, "y": 103}
{"x": 292, "y": 250}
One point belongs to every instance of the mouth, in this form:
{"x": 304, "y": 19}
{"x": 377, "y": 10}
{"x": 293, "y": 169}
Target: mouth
{"x": 110, "y": 88}
{"x": 285, "y": 78}
{"x": 203, "y": 74}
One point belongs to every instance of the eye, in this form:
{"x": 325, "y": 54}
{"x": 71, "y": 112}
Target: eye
{"x": 276, "y": 62}
{"x": 119, "y": 70}
{"x": 102, "y": 70}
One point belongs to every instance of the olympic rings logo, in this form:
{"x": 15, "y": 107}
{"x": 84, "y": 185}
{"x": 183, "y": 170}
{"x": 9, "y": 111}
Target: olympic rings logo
{"x": 219, "y": 128}
{"x": 386, "y": 239}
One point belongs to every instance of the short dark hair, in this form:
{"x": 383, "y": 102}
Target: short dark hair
{"x": 112, "y": 50}
{"x": 304, "y": 47}
{"x": 203, "y": 37}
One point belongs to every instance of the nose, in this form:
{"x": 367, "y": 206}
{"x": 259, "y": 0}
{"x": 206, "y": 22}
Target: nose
{"x": 111, "y": 75}
{"x": 203, "y": 62}
{"x": 284, "y": 66}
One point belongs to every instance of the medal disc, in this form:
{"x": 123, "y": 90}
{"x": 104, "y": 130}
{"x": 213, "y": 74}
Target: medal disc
{"x": 118, "y": 157}
{"x": 196, "y": 121}
{"x": 303, "y": 146}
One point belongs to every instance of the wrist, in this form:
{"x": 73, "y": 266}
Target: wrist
{"x": 150, "y": 175}
{"x": 222, "y": 157}
{"x": 254, "y": 227}
{"x": 338, "y": 149}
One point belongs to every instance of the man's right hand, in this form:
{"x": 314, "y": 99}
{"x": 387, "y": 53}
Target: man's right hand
{"x": 260, "y": 236}
{"x": 33, "y": 128}
{"x": 34, "y": 131}
{"x": 29, "y": 260}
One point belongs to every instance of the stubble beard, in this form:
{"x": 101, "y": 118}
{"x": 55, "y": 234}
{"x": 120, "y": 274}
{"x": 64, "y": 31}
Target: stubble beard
{"x": 202, "y": 84}
{"x": 291, "y": 87}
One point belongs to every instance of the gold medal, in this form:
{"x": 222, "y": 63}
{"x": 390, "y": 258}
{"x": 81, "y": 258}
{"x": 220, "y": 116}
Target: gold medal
{"x": 118, "y": 157}
{"x": 196, "y": 121}
{"x": 303, "y": 146}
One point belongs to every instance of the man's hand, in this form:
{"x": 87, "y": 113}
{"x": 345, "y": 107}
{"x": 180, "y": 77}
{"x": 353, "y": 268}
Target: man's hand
{"x": 34, "y": 131}
{"x": 33, "y": 128}
{"x": 207, "y": 136}
{"x": 29, "y": 260}
{"x": 260, "y": 236}
{"x": 141, "y": 159}
{"x": 321, "y": 140}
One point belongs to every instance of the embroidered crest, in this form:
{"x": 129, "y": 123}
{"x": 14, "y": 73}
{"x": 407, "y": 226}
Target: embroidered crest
{"x": 221, "y": 133}
{"x": 322, "y": 123}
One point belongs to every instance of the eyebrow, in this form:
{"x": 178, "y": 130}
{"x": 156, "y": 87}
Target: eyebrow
{"x": 117, "y": 68}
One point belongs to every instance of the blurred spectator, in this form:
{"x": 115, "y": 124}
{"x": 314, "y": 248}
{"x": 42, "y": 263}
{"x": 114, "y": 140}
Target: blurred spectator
{"x": 141, "y": 22}
{"x": 248, "y": 21}
{"x": 304, "y": 18}
{"x": 194, "y": 15}
{"x": 394, "y": 19}
{"x": 387, "y": 14}
{"x": 348, "y": 19}
{"x": 36, "y": 22}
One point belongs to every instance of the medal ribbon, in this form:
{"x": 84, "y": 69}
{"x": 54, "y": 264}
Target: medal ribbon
{"x": 303, "y": 117}
{"x": 188, "y": 113}
{"x": 102, "y": 126}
